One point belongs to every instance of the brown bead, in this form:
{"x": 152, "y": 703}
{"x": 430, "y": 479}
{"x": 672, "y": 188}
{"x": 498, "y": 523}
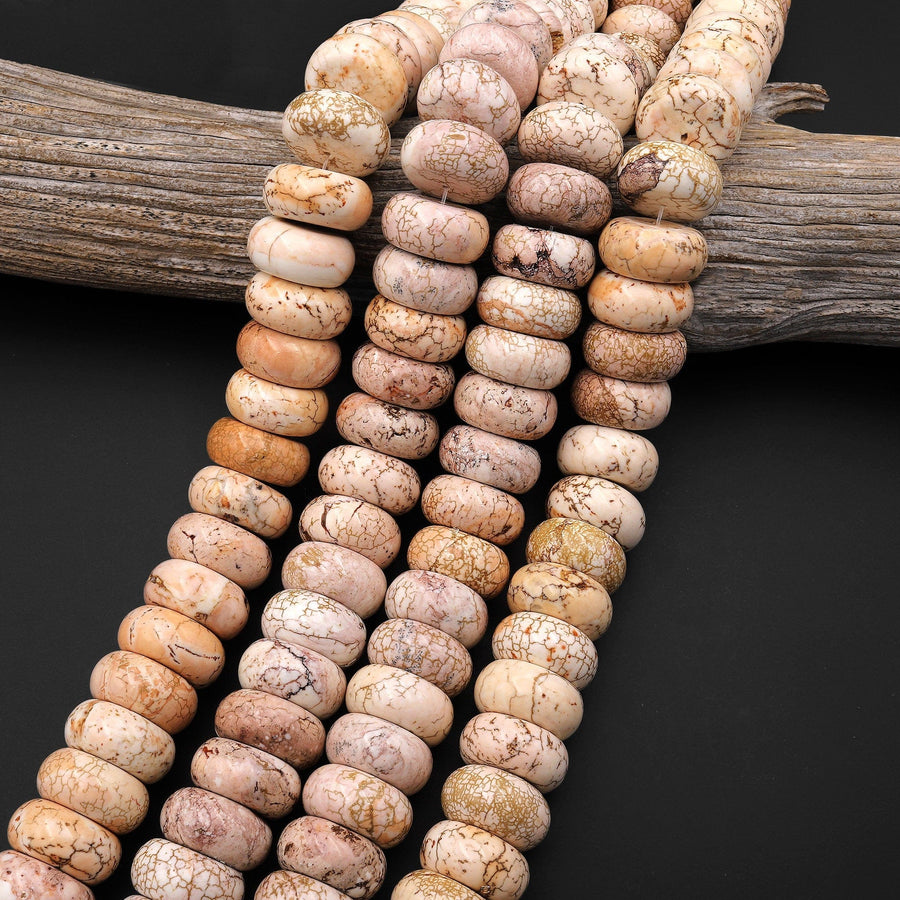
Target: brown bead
{"x": 268, "y": 457}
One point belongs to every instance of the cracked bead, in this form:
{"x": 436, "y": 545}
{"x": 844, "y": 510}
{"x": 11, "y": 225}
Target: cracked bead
{"x": 292, "y": 885}
{"x": 679, "y": 10}
{"x": 518, "y": 17}
{"x": 649, "y": 250}
{"x": 398, "y": 379}
{"x": 286, "y": 411}
{"x": 621, "y": 456}
{"x": 520, "y": 359}
{"x": 285, "y": 359}
{"x": 547, "y": 257}
{"x": 643, "y": 19}
{"x": 425, "y": 885}
{"x": 529, "y": 308}
{"x": 386, "y": 427}
{"x": 631, "y": 405}
{"x": 500, "y": 462}
{"x": 525, "y": 414}
{"x": 636, "y": 305}
{"x": 634, "y": 356}
{"x": 23, "y": 877}
{"x": 368, "y": 475}
{"x": 426, "y": 337}
{"x": 299, "y": 309}
{"x": 163, "y": 870}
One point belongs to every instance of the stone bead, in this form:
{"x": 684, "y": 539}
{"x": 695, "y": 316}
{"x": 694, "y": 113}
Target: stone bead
{"x": 66, "y": 839}
{"x": 442, "y": 231}
{"x": 249, "y": 776}
{"x": 423, "y": 650}
{"x": 318, "y": 314}
{"x": 440, "y": 601}
{"x": 425, "y": 284}
{"x": 371, "y": 476}
{"x": 505, "y": 409}
{"x": 580, "y": 14}
{"x": 338, "y": 130}
{"x": 610, "y": 43}
{"x": 216, "y": 827}
{"x": 286, "y": 411}
{"x": 121, "y": 737}
{"x": 383, "y": 749}
{"x": 571, "y": 134}
{"x": 272, "y": 724}
{"x": 316, "y": 196}
{"x": 547, "y": 257}
{"x": 552, "y": 22}
{"x": 423, "y": 336}
{"x": 426, "y": 27}
{"x": 359, "y": 801}
{"x": 362, "y": 65}
{"x": 577, "y": 545}
{"x": 647, "y": 47}
{"x": 504, "y": 804}
{"x": 146, "y": 687}
{"x": 647, "y": 250}
{"x": 766, "y": 16}
{"x": 601, "y": 9}
{"x": 636, "y": 305}
{"x": 518, "y": 17}
{"x": 23, "y": 878}
{"x": 735, "y": 36}
{"x": 403, "y": 698}
{"x": 490, "y": 459}
{"x": 563, "y": 15}
{"x": 425, "y": 885}
{"x": 477, "y": 563}
{"x": 330, "y": 853}
{"x": 515, "y": 746}
{"x": 634, "y": 356}
{"x": 578, "y": 74}
{"x": 163, "y": 870}
{"x": 679, "y": 10}
{"x": 473, "y": 507}
{"x": 316, "y": 622}
{"x": 548, "y": 642}
{"x": 95, "y": 788}
{"x": 547, "y": 194}
{"x": 529, "y": 308}
{"x": 621, "y": 456}
{"x": 476, "y": 858}
{"x": 293, "y": 886}
{"x": 339, "y": 573}
{"x": 294, "y": 673}
{"x": 566, "y": 593}
{"x": 521, "y": 359}
{"x": 398, "y": 379}
{"x": 300, "y": 254}
{"x": 397, "y": 41}
{"x": 386, "y": 427}
{"x": 631, "y": 405}
{"x": 643, "y": 19}
{"x": 285, "y": 359}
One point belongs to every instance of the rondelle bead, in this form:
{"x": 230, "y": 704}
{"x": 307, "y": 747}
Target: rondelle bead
{"x": 421, "y": 27}
{"x": 559, "y": 590}
{"x": 121, "y": 737}
{"x": 286, "y": 411}
{"x": 25, "y": 878}
{"x": 386, "y": 427}
{"x": 339, "y": 573}
{"x": 679, "y": 10}
{"x": 520, "y": 18}
{"x": 516, "y": 746}
{"x": 553, "y": 23}
{"x": 504, "y": 804}
{"x": 647, "y": 250}
{"x": 332, "y": 854}
{"x": 163, "y": 870}
{"x": 505, "y": 409}
{"x": 531, "y": 362}
{"x": 403, "y": 698}
{"x": 647, "y": 47}
{"x": 95, "y": 788}
{"x": 636, "y": 305}
{"x": 547, "y": 257}
{"x": 359, "y": 801}
{"x": 272, "y": 724}
{"x": 368, "y": 475}
{"x": 300, "y": 254}
{"x": 490, "y": 459}
{"x": 481, "y": 565}
{"x": 440, "y": 601}
{"x": 146, "y": 687}
{"x": 736, "y": 36}
{"x": 610, "y": 43}
{"x": 381, "y": 748}
{"x": 298, "y": 309}
{"x": 536, "y": 309}
{"x": 563, "y": 11}
{"x": 627, "y": 458}
{"x": 580, "y": 13}
{"x": 398, "y": 379}
{"x": 425, "y": 885}
{"x": 294, "y": 673}
{"x": 767, "y": 16}
{"x": 632, "y": 355}
{"x": 285, "y": 359}
{"x": 425, "y": 284}
{"x": 66, "y": 839}
{"x": 225, "y": 548}
{"x": 216, "y": 827}
{"x": 281, "y": 885}
{"x": 442, "y": 231}
{"x": 643, "y": 19}
{"x": 249, "y": 776}
{"x": 631, "y": 405}
{"x": 422, "y": 336}
{"x": 397, "y": 41}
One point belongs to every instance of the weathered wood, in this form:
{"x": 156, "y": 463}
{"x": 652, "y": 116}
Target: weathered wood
{"x": 107, "y": 186}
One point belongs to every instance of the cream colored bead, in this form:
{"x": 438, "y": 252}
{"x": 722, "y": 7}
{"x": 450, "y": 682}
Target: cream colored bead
{"x": 647, "y": 47}
{"x": 520, "y": 18}
{"x": 602, "y": 503}
{"x": 517, "y": 358}
{"x": 601, "y": 9}
{"x": 427, "y": 337}
{"x": 282, "y": 885}
{"x": 163, "y": 870}
{"x": 500, "y": 462}
{"x": 529, "y": 308}
{"x": 425, "y": 284}
{"x": 23, "y": 877}
{"x": 553, "y": 22}
{"x": 634, "y": 356}
{"x": 507, "y": 410}
{"x": 611, "y": 44}
{"x": 646, "y": 20}
{"x": 679, "y": 10}
{"x": 287, "y": 411}
{"x": 631, "y": 405}
{"x": 735, "y": 36}
{"x": 397, "y": 41}
{"x": 398, "y": 379}
{"x": 285, "y": 359}
{"x": 385, "y": 481}
{"x": 547, "y": 257}
{"x": 422, "y": 30}
{"x": 621, "y": 456}
{"x": 425, "y": 885}
{"x": 298, "y": 309}
{"x": 386, "y": 427}
{"x": 719, "y": 66}
{"x": 636, "y": 305}
{"x": 767, "y": 16}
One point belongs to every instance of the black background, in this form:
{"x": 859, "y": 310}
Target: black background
{"x": 740, "y": 739}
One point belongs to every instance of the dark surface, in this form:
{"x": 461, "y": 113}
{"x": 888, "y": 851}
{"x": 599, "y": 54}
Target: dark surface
{"x": 740, "y": 738}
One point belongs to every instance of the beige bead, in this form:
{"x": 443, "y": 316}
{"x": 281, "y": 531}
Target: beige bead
{"x": 423, "y": 650}
{"x": 621, "y": 456}
{"x": 66, "y": 839}
{"x": 339, "y": 573}
{"x": 397, "y": 41}
{"x": 425, "y": 885}
{"x": 371, "y": 476}
{"x": 553, "y": 23}
{"x": 521, "y": 359}
{"x": 476, "y": 858}
{"x": 440, "y": 601}
{"x": 504, "y": 409}
{"x": 602, "y": 503}
{"x": 679, "y": 10}
{"x": 398, "y": 379}
{"x": 634, "y": 356}
{"x": 381, "y": 748}
{"x": 403, "y": 698}
{"x": 547, "y": 257}
{"x": 121, "y": 737}
{"x": 496, "y": 801}
{"x": 293, "y": 673}
{"x": 647, "y": 47}
{"x": 292, "y": 885}
{"x": 529, "y": 308}
{"x": 424, "y": 30}
{"x": 500, "y": 462}
{"x": 286, "y": 411}
{"x": 423, "y": 336}
{"x": 631, "y": 405}
{"x": 643, "y": 19}
{"x": 425, "y": 284}
{"x": 767, "y": 16}
{"x": 298, "y": 309}
{"x": 736, "y": 36}
{"x": 637, "y": 305}
{"x": 146, "y": 687}
{"x": 386, "y": 427}
{"x": 563, "y": 16}
{"x": 610, "y": 43}
{"x": 515, "y": 746}
{"x": 359, "y": 801}
{"x": 163, "y": 870}
{"x": 23, "y": 877}
{"x": 580, "y": 14}
{"x": 299, "y": 253}
{"x": 520, "y": 18}
{"x": 285, "y": 359}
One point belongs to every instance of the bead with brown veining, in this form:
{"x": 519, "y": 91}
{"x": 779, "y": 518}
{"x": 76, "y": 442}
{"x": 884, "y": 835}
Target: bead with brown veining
{"x": 622, "y": 456}
{"x": 520, "y": 413}
{"x": 386, "y": 427}
{"x": 427, "y": 337}
{"x": 520, "y": 359}
{"x": 634, "y": 356}
{"x": 644, "y": 19}
{"x": 24, "y": 877}
{"x": 398, "y": 379}
{"x": 298, "y": 309}
{"x": 637, "y": 305}
{"x": 283, "y": 885}
{"x": 282, "y": 410}
{"x": 547, "y": 257}
{"x": 490, "y": 459}
{"x": 368, "y": 475}
{"x": 163, "y": 870}
{"x": 620, "y": 404}
{"x": 426, "y": 885}
{"x": 529, "y": 308}
{"x": 679, "y": 10}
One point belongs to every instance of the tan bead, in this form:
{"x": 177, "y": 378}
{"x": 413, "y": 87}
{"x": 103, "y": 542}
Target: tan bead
{"x": 286, "y": 411}
{"x": 611, "y": 44}
{"x": 547, "y": 257}
{"x": 644, "y": 19}
{"x": 520, "y": 18}
{"x": 425, "y": 885}
{"x": 386, "y": 427}
{"x": 634, "y": 356}
{"x": 521, "y": 359}
{"x": 529, "y": 308}
{"x": 425, "y": 30}
{"x": 719, "y": 66}
{"x": 427, "y": 337}
{"x": 397, "y": 41}
{"x": 298, "y": 309}
{"x": 580, "y": 14}
{"x": 221, "y": 546}
{"x": 146, "y": 687}
{"x": 553, "y": 23}
{"x": 285, "y": 359}
{"x": 647, "y": 47}
{"x": 637, "y": 305}
{"x": 631, "y": 405}
{"x": 736, "y": 36}
{"x": 368, "y": 475}
{"x": 490, "y": 459}
{"x": 627, "y": 458}
{"x": 679, "y": 10}
{"x": 23, "y": 877}
{"x": 282, "y": 885}
{"x": 163, "y": 870}
{"x": 505, "y": 409}
{"x": 602, "y": 503}
{"x": 601, "y": 9}
{"x": 767, "y": 16}
{"x": 496, "y": 801}
{"x": 398, "y": 379}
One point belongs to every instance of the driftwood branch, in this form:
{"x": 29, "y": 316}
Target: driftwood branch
{"x": 112, "y": 187}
